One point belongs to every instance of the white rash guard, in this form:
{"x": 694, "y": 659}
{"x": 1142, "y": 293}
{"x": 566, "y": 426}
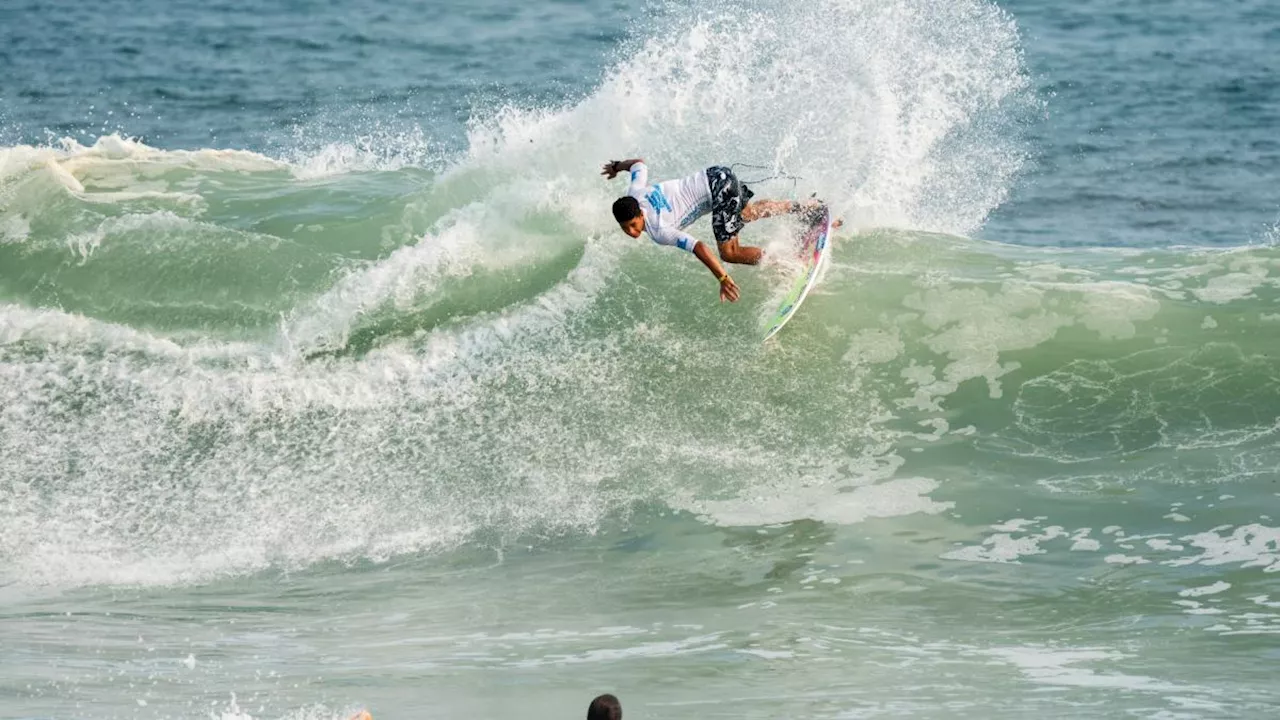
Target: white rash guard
{"x": 670, "y": 206}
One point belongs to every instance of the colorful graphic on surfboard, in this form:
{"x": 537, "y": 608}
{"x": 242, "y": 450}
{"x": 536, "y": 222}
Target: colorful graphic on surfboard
{"x": 814, "y": 241}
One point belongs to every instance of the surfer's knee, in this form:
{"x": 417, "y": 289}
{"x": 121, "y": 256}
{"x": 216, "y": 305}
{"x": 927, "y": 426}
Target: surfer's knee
{"x": 728, "y": 250}
{"x": 735, "y": 253}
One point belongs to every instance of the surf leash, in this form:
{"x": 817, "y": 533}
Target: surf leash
{"x": 776, "y": 176}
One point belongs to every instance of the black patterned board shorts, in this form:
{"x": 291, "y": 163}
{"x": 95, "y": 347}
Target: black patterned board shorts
{"x": 728, "y": 198}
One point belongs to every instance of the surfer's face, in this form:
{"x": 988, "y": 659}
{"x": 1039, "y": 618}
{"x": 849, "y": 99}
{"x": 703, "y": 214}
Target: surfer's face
{"x": 634, "y": 226}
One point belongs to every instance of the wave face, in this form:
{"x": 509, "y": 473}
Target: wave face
{"x": 215, "y": 361}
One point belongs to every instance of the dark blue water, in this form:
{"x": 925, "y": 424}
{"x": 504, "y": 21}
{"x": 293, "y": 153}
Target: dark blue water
{"x": 1158, "y": 125}
{"x": 236, "y": 74}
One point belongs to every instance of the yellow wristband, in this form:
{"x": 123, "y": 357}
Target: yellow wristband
{"x": 723, "y": 278}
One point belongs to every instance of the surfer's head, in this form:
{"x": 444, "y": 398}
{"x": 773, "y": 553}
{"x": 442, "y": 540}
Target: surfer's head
{"x": 626, "y": 210}
{"x": 605, "y": 707}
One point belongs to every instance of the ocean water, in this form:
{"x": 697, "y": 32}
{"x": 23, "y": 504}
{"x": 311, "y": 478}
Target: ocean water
{"x": 327, "y": 383}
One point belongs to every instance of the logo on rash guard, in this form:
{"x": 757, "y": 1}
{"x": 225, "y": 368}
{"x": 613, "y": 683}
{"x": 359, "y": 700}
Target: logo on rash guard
{"x": 658, "y": 200}
{"x": 695, "y": 213}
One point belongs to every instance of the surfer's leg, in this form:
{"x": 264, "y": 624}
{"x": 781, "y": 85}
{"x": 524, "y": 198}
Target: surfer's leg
{"x": 729, "y": 200}
{"x": 731, "y": 252}
{"x": 759, "y": 209}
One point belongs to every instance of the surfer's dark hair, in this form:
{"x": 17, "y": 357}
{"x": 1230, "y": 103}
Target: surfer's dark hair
{"x": 625, "y": 208}
{"x": 606, "y": 707}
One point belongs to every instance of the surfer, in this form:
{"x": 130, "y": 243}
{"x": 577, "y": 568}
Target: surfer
{"x": 665, "y": 209}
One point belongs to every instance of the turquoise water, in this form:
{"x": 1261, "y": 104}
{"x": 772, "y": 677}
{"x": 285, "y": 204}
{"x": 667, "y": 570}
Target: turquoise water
{"x": 325, "y": 382}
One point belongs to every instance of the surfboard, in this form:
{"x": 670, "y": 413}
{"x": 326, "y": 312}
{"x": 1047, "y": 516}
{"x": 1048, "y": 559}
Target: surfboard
{"x": 812, "y": 247}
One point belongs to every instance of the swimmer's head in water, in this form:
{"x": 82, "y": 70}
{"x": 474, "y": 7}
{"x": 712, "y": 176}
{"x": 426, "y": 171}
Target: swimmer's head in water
{"x": 605, "y": 707}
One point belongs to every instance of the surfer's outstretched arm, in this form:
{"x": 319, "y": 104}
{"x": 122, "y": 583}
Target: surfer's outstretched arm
{"x": 728, "y": 288}
{"x": 611, "y": 169}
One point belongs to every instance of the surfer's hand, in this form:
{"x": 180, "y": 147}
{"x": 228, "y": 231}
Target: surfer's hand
{"x": 610, "y": 169}
{"x": 728, "y": 290}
